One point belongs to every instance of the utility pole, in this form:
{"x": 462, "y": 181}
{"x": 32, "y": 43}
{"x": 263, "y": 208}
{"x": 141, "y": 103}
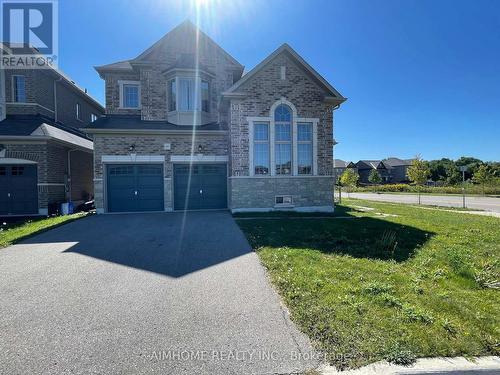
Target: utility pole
{"x": 463, "y": 169}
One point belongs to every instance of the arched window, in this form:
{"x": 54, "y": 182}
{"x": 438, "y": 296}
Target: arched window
{"x": 283, "y": 139}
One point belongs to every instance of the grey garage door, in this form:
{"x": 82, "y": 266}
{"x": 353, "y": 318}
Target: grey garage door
{"x": 18, "y": 189}
{"x": 134, "y": 187}
{"x": 200, "y": 186}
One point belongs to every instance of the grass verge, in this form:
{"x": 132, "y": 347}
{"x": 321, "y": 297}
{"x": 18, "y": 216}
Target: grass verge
{"x": 418, "y": 283}
{"x": 15, "y": 232}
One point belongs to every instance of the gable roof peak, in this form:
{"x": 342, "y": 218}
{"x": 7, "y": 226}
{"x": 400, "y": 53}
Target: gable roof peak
{"x": 318, "y": 78}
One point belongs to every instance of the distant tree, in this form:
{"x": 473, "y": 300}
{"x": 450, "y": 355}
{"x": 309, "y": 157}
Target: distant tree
{"x": 483, "y": 176}
{"x": 471, "y": 163}
{"x": 439, "y": 169}
{"x": 374, "y": 177}
{"x": 418, "y": 173}
{"x": 349, "y": 179}
{"x": 453, "y": 175}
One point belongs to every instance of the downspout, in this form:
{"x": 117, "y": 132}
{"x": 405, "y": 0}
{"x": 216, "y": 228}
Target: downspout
{"x": 70, "y": 190}
{"x": 55, "y": 97}
{"x": 333, "y": 155}
{"x": 3, "y": 106}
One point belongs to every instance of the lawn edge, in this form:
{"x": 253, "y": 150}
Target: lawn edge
{"x": 17, "y": 240}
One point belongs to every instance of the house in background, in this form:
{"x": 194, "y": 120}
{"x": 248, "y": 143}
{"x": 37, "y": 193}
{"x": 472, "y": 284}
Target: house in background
{"x": 364, "y": 168}
{"x": 398, "y": 168}
{"x": 44, "y": 158}
{"x": 391, "y": 170}
{"x": 185, "y": 129}
{"x": 339, "y": 166}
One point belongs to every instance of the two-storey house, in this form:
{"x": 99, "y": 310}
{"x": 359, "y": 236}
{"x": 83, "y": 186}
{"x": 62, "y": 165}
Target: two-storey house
{"x": 44, "y": 158}
{"x": 186, "y": 129}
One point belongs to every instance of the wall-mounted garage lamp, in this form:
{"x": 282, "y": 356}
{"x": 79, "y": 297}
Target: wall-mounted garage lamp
{"x": 131, "y": 148}
{"x": 200, "y": 148}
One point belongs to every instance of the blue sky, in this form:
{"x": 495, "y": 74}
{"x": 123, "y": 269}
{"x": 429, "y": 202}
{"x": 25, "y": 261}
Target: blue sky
{"x": 422, "y": 76}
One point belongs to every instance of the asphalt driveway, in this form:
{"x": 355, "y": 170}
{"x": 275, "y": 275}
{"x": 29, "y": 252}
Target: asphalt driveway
{"x": 143, "y": 293}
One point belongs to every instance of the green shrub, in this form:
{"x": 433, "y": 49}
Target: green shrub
{"x": 398, "y": 354}
{"x": 452, "y": 189}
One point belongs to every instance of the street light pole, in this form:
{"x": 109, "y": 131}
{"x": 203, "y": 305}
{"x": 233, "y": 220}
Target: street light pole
{"x": 463, "y": 169}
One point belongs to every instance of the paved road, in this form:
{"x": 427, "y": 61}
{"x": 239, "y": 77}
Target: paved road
{"x": 478, "y": 203}
{"x": 143, "y": 293}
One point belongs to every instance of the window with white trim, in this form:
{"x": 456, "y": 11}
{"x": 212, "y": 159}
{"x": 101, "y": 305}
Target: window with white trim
{"x": 130, "y": 95}
{"x": 19, "y": 89}
{"x": 283, "y": 140}
{"x": 261, "y": 148}
{"x": 305, "y": 148}
{"x": 188, "y": 94}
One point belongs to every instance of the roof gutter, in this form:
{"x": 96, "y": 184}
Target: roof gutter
{"x": 153, "y": 131}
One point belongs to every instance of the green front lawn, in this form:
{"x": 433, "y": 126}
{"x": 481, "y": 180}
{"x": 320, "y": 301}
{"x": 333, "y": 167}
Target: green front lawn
{"x": 12, "y": 233}
{"x": 409, "y": 283}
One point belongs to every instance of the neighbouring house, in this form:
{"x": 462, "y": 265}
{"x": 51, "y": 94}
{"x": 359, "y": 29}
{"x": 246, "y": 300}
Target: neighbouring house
{"x": 339, "y": 166}
{"x": 364, "y": 168}
{"x": 398, "y": 168}
{"x": 44, "y": 158}
{"x": 186, "y": 129}
{"x": 391, "y": 170}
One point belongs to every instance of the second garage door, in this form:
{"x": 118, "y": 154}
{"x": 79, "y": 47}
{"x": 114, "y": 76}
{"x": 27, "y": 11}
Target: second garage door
{"x": 135, "y": 187}
{"x": 200, "y": 186}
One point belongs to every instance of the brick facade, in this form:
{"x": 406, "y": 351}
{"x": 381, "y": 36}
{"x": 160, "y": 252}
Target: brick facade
{"x": 52, "y": 156}
{"x": 254, "y": 97}
{"x": 52, "y": 171}
{"x": 119, "y": 145}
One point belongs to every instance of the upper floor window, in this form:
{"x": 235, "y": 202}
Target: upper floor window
{"x": 130, "y": 94}
{"x": 283, "y": 139}
{"x": 172, "y": 95}
{"x": 93, "y": 117}
{"x": 205, "y": 98}
{"x": 19, "y": 89}
{"x": 78, "y": 111}
{"x": 188, "y": 94}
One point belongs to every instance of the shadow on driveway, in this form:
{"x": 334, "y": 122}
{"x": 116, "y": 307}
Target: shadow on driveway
{"x": 172, "y": 244}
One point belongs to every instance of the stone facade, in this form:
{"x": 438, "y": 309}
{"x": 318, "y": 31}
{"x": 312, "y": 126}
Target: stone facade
{"x": 308, "y": 193}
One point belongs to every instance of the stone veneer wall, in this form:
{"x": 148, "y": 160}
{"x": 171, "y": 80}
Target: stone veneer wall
{"x": 309, "y": 193}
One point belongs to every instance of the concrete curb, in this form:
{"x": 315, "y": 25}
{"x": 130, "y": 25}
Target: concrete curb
{"x": 457, "y": 365}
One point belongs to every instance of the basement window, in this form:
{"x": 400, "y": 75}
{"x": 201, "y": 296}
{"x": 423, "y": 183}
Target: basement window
{"x": 283, "y": 200}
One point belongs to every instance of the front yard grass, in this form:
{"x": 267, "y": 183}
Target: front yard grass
{"x": 413, "y": 283}
{"x": 15, "y": 232}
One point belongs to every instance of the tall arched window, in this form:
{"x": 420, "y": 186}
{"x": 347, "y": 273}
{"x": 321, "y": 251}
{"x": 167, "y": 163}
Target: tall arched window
{"x": 283, "y": 139}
